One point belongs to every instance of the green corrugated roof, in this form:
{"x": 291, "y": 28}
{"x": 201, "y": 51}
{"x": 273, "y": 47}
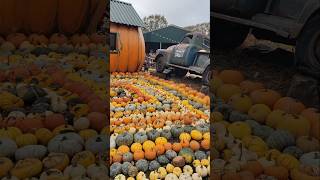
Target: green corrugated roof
{"x": 169, "y": 34}
{"x": 124, "y": 13}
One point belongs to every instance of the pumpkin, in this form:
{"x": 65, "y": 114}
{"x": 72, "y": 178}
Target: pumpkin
{"x": 97, "y": 120}
{"x": 196, "y": 135}
{"x": 124, "y": 139}
{"x": 255, "y": 144}
{"x": 97, "y": 144}
{"x": 239, "y": 129}
{"x": 43, "y": 135}
{"x": 84, "y": 158}
{"x": 53, "y": 174}
{"x": 299, "y": 126}
{"x": 7, "y": 147}
{"x": 5, "y": 166}
{"x": 137, "y": 155}
{"x": 225, "y": 91}
{"x": 10, "y": 132}
{"x": 63, "y": 128}
{"x": 308, "y": 144}
{"x": 240, "y": 102}
{"x": 31, "y": 151}
{"x": 279, "y": 172}
{"x": 194, "y": 145}
{"x": 16, "y": 38}
{"x": 289, "y": 105}
{"x": 310, "y": 159}
{"x": 56, "y": 161}
{"x": 87, "y": 133}
{"x": 253, "y": 166}
{"x": 97, "y": 38}
{"x": 215, "y": 83}
{"x": 26, "y": 168}
{"x": 259, "y": 112}
{"x": 38, "y": 39}
{"x": 58, "y": 38}
{"x": 123, "y": 62}
{"x": 287, "y": 161}
{"x": 74, "y": 170}
{"x": 231, "y": 76}
{"x": 274, "y": 118}
{"x": 26, "y": 139}
{"x": 150, "y": 154}
{"x": 97, "y": 169}
{"x": 265, "y": 96}
{"x": 187, "y": 154}
{"x": 69, "y": 143}
{"x": 299, "y": 173}
{"x": 205, "y": 144}
{"x": 280, "y": 139}
{"x": 313, "y": 116}
{"x": 54, "y": 120}
{"x": 294, "y": 151}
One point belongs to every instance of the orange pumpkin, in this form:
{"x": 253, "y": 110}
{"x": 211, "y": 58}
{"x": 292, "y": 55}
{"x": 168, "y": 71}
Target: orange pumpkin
{"x": 130, "y": 56}
{"x": 278, "y": 172}
{"x": 167, "y": 146}
{"x": 176, "y": 147}
{"x": 137, "y": 155}
{"x": 248, "y": 86}
{"x": 205, "y": 144}
{"x": 37, "y": 39}
{"x": 313, "y": 116}
{"x": 58, "y": 38}
{"x": 150, "y": 154}
{"x": 231, "y": 77}
{"x": 80, "y": 39}
{"x": 29, "y": 125}
{"x": 97, "y": 105}
{"x": 54, "y": 120}
{"x": 160, "y": 149}
{"x": 16, "y": 38}
{"x": 253, "y": 166}
{"x": 194, "y": 145}
{"x": 97, "y": 120}
{"x": 265, "y": 96}
{"x": 289, "y": 105}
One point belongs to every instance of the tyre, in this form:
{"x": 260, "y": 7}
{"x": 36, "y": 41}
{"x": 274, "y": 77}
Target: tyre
{"x": 228, "y": 35}
{"x": 206, "y": 76}
{"x": 308, "y": 48}
{"x": 160, "y": 64}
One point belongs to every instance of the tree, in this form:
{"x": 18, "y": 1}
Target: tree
{"x": 203, "y": 28}
{"x": 154, "y": 22}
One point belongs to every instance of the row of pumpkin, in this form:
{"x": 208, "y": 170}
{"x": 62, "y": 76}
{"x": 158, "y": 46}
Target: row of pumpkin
{"x": 259, "y": 134}
{"x": 159, "y": 129}
{"x": 51, "y": 126}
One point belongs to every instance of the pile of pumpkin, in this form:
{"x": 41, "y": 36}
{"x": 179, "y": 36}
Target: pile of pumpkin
{"x": 159, "y": 129}
{"x": 52, "y": 115}
{"x": 19, "y": 43}
{"x": 258, "y": 134}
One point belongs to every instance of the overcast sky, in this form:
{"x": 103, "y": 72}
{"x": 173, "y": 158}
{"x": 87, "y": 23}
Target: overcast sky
{"x": 179, "y": 12}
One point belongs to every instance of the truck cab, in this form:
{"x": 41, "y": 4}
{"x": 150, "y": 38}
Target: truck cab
{"x": 191, "y": 54}
{"x": 294, "y": 22}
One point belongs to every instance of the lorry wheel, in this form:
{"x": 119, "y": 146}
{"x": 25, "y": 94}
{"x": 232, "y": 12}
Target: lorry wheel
{"x": 206, "y": 76}
{"x": 308, "y": 48}
{"x": 160, "y": 64}
{"x": 228, "y": 35}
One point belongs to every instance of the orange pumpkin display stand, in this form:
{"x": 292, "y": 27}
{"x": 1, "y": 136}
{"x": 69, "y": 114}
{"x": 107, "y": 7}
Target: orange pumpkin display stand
{"x": 131, "y": 49}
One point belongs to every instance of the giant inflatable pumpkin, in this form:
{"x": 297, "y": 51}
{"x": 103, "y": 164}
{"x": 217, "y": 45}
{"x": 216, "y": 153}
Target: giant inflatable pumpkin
{"x": 129, "y": 56}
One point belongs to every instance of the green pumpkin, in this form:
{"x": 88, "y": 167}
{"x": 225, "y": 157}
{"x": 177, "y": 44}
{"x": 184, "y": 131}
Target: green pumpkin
{"x": 142, "y": 165}
{"x": 203, "y": 128}
{"x": 124, "y": 139}
{"x": 153, "y": 134}
{"x": 163, "y": 160}
{"x": 140, "y": 137}
{"x": 280, "y": 139}
{"x": 115, "y": 169}
{"x": 176, "y": 130}
{"x": 262, "y": 131}
{"x": 166, "y": 133}
{"x": 154, "y": 165}
{"x": 294, "y": 151}
{"x": 188, "y": 128}
{"x": 188, "y": 155}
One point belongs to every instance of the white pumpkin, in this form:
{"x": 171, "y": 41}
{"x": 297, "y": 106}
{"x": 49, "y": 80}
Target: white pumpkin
{"x": 196, "y": 176}
{"x": 171, "y": 176}
{"x": 162, "y": 172}
{"x": 265, "y": 162}
{"x": 95, "y": 169}
{"x": 185, "y": 176}
{"x": 58, "y": 104}
{"x": 53, "y": 174}
{"x": 120, "y": 177}
{"x": 154, "y": 175}
{"x": 81, "y": 124}
{"x": 7, "y": 147}
{"x": 97, "y": 144}
{"x": 202, "y": 171}
{"x": 16, "y": 114}
{"x": 31, "y": 151}
{"x": 311, "y": 159}
{"x": 74, "y": 170}
{"x": 112, "y": 143}
{"x": 69, "y": 143}
{"x": 188, "y": 169}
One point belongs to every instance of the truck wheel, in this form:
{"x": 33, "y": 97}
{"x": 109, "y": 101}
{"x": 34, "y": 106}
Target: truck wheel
{"x": 308, "y": 48}
{"x": 160, "y": 64}
{"x": 206, "y": 76}
{"x": 228, "y": 35}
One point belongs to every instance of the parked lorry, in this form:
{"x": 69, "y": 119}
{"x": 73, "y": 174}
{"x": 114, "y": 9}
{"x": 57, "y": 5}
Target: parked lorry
{"x": 191, "y": 54}
{"x": 294, "y": 22}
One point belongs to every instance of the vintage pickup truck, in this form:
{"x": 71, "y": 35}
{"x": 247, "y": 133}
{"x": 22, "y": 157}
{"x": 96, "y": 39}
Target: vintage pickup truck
{"x": 294, "y": 22}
